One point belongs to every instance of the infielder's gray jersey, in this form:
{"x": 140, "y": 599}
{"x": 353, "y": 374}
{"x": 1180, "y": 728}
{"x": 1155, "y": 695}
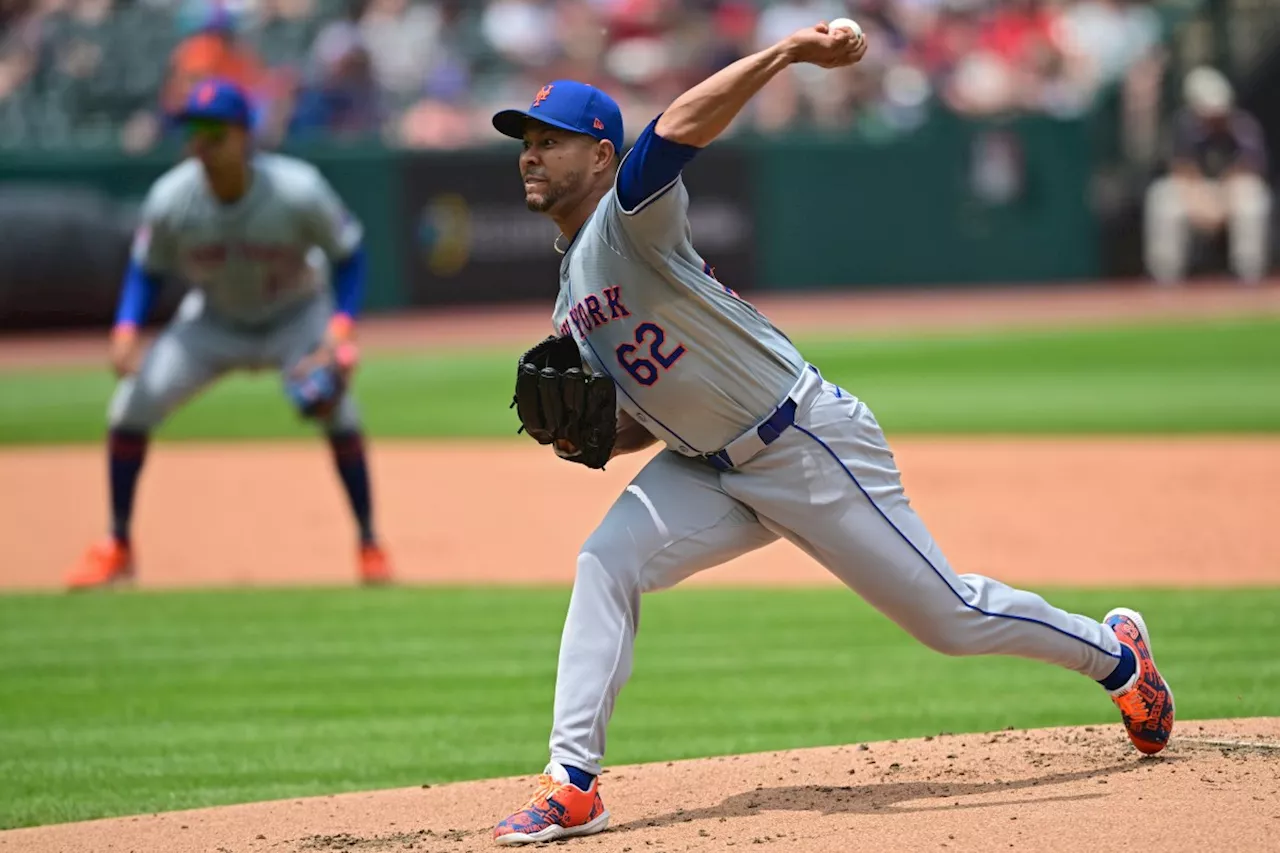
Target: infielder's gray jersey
{"x": 254, "y": 259}
{"x": 693, "y": 363}
{"x": 261, "y": 293}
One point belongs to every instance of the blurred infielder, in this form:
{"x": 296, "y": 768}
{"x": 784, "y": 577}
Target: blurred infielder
{"x": 758, "y": 444}
{"x": 252, "y": 233}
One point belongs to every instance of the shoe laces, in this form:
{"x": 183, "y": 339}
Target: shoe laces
{"x": 547, "y": 785}
{"x": 1132, "y": 703}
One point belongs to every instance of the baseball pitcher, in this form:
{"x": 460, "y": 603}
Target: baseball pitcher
{"x": 648, "y": 346}
{"x": 256, "y": 235}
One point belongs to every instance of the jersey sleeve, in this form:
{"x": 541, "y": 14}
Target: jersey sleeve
{"x": 154, "y": 248}
{"x": 650, "y": 201}
{"x": 1252, "y": 144}
{"x": 328, "y": 222}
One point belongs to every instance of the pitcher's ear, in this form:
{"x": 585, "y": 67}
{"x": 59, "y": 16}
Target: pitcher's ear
{"x": 606, "y": 156}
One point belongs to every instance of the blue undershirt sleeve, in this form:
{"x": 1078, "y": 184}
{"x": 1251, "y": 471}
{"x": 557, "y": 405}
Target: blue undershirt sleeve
{"x": 137, "y": 295}
{"x": 651, "y": 168}
{"x": 349, "y": 280}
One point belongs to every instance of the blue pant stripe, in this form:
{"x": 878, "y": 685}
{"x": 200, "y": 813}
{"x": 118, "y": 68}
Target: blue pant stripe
{"x": 904, "y": 537}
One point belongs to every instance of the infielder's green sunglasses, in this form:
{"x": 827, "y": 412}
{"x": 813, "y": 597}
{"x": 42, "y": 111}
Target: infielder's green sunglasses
{"x": 203, "y": 128}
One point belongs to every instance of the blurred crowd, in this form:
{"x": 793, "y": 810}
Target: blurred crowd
{"x": 429, "y": 73}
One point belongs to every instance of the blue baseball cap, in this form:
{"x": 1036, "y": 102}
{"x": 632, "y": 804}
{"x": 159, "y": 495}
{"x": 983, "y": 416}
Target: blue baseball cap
{"x": 217, "y": 100}
{"x": 568, "y": 105}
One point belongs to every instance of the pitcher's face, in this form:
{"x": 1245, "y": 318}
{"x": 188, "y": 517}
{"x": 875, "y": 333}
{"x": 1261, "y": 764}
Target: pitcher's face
{"x": 555, "y": 165}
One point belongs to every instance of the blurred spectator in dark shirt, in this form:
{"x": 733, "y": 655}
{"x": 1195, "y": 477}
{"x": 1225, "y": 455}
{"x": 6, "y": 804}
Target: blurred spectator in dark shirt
{"x": 1216, "y": 180}
{"x": 340, "y": 98}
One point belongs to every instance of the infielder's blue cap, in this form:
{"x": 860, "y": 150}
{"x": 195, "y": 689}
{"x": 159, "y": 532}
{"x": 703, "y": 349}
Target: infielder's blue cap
{"x": 568, "y": 105}
{"x": 217, "y": 100}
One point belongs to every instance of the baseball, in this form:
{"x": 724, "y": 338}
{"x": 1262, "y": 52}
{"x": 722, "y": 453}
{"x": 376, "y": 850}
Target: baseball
{"x": 844, "y": 24}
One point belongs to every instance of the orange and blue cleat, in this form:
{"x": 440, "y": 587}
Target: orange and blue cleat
{"x": 559, "y": 809}
{"x": 1145, "y": 702}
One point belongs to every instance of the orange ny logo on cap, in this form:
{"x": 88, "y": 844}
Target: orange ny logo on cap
{"x": 543, "y": 94}
{"x": 206, "y": 93}
{"x": 598, "y": 124}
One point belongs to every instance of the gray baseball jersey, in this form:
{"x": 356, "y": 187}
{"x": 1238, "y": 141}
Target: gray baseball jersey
{"x": 694, "y": 364}
{"x": 260, "y": 296}
{"x": 254, "y": 259}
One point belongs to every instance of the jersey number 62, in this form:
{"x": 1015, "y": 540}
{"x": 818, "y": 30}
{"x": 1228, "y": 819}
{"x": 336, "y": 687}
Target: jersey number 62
{"x": 644, "y": 370}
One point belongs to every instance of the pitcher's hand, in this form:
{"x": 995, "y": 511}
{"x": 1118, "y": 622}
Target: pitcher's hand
{"x": 817, "y": 45}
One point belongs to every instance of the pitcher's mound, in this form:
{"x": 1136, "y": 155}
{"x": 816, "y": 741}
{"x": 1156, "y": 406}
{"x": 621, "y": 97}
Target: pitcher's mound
{"x": 1217, "y": 786}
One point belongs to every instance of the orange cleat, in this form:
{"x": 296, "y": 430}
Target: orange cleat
{"x": 375, "y": 567}
{"x": 1146, "y": 702}
{"x": 558, "y": 809}
{"x": 107, "y": 563}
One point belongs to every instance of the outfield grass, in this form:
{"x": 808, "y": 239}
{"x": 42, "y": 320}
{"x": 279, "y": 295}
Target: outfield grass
{"x": 1219, "y": 376}
{"x": 137, "y": 702}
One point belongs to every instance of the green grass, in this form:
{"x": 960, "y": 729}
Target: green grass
{"x": 1220, "y": 376}
{"x": 137, "y": 702}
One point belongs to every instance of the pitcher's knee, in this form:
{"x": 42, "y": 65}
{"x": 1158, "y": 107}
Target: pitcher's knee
{"x": 951, "y": 643}
{"x": 611, "y": 568}
{"x": 955, "y": 633}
